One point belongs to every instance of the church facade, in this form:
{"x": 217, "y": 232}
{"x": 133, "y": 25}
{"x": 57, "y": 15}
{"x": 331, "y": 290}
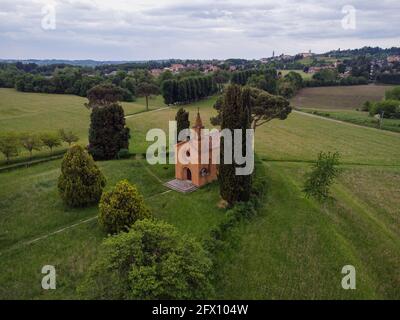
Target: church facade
{"x": 196, "y": 158}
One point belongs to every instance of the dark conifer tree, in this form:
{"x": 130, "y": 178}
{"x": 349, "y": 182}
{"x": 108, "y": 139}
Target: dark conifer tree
{"x": 235, "y": 114}
{"x": 228, "y": 182}
{"x": 107, "y": 133}
{"x": 167, "y": 89}
{"x": 182, "y": 119}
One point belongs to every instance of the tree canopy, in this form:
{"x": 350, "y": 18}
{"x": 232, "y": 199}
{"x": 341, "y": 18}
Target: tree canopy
{"x": 264, "y": 108}
{"x": 151, "y": 261}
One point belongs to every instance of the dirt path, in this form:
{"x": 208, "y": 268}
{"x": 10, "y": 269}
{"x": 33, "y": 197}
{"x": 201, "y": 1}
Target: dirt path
{"x": 344, "y": 122}
{"x": 145, "y": 112}
{"x": 26, "y": 243}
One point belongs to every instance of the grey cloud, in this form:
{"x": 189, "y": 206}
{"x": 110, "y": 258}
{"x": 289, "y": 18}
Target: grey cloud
{"x": 150, "y": 29}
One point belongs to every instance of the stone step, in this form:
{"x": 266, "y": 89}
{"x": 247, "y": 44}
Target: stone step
{"x": 183, "y": 186}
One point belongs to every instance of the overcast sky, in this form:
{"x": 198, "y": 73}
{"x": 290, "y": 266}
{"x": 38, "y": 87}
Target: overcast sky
{"x": 158, "y": 29}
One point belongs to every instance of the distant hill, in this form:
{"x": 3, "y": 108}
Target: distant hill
{"x": 81, "y": 63}
{"x": 365, "y": 51}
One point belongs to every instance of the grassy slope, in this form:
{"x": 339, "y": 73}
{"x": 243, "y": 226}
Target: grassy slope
{"x": 31, "y": 208}
{"x": 301, "y": 138}
{"x": 33, "y": 112}
{"x": 357, "y": 117}
{"x": 295, "y": 249}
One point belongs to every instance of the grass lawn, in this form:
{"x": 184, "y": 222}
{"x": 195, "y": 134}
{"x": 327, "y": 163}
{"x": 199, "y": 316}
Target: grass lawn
{"x": 357, "y": 117}
{"x": 295, "y": 248}
{"x": 36, "y": 112}
{"x": 30, "y": 208}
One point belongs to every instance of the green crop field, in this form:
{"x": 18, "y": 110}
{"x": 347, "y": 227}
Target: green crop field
{"x": 302, "y": 73}
{"x": 295, "y": 247}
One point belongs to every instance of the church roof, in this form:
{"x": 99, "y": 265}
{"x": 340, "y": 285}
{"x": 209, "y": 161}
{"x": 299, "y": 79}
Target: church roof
{"x": 199, "y": 122}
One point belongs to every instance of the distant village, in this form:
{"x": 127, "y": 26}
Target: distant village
{"x": 309, "y": 62}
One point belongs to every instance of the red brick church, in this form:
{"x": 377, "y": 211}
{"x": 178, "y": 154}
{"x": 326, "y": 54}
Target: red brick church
{"x": 192, "y": 170}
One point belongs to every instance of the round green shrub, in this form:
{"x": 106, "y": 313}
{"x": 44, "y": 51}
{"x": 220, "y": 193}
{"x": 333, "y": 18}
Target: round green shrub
{"x": 81, "y": 182}
{"x": 121, "y": 207}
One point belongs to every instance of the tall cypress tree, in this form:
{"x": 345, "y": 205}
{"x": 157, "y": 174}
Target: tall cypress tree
{"x": 245, "y": 123}
{"x": 167, "y": 89}
{"x": 228, "y": 182}
{"x": 235, "y": 115}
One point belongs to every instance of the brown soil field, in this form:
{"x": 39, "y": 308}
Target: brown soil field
{"x": 340, "y": 97}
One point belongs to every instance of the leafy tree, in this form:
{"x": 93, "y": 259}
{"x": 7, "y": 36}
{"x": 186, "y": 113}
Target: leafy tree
{"x": 103, "y": 95}
{"x": 166, "y": 75}
{"x": 322, "y": 176}
{"x": 81, "y": 183}
{"x": 129, "y": 84}
{"x": 9, "y": 144}
{"x": 341, "y": 68}
{"x": 286, "y": 88}
{"x": 147, "y": 89}
{"x": 51, "y": 140}
{"x": 30, "y": 142}
{"x": 68, "y": 137}
{"x": 389, "y": 109}
{"x": 264, "y": 108}
{"x": 270, "y": 85}
{"x": 296, "y": 79}
{"x": 121, "y": 207}
{"x": 182, "y": 120}
{"x": 151, "y": 261}
{"x": 221, "y": 77}
{"x": 393, "y": 94}
{"x": 326, "y": 75}
{"x": 367, "y": 106}
{"x": 257, "y": 81}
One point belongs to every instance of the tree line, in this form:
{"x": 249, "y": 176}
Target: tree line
{"x": 78, "y": 81}
{"x": 388, "y": 108}
{"x": 269, "y": 80}
{"x": 188, "y": 90}
{"x": 11, "y": 143}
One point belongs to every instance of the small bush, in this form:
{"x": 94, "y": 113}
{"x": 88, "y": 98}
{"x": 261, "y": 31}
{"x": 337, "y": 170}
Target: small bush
{"x": 121, "y": 207}
{"x": 367, "y": 106}
{"x": 389, "y": 109}
{"x": 81, "y": 182}
{"x": 393, "y": 94}
{"x": 151, "y": 261}
{"x": 322, "y": 176}
{"x": 124, "y": 154}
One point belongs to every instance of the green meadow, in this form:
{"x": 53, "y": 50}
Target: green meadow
{"x": 294, "y": 249}
{"x": 345, "y": 104}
